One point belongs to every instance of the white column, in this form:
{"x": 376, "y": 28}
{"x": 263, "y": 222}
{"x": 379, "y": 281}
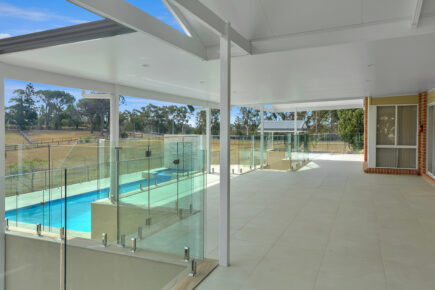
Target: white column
{"x": 296, "y": 122}
{"x": 208, "y": 138}
{"x": 225, "y": 107}
{"x": 2, "y": 180}
{"x": 101, "y": 161}
{"x": 272, "y": 140}
{"x": 296, "y": 131}
{"x": 114, "y": 119}
{"x": 262, "y": 139}
{"x": 114, "y": 142}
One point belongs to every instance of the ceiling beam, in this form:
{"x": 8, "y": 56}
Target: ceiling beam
{"x": 130, "y": 16}
{"x": 64, "y": 35}
{"x": 214, "y": 22}
{"x": 416, "y": 13}
{"x": 182, "y": 21}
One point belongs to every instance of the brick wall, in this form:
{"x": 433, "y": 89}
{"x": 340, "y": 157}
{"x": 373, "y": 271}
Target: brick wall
{"x": 422, "y": 136}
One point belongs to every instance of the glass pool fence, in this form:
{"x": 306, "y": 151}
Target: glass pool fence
{"x": 149, "y": 191}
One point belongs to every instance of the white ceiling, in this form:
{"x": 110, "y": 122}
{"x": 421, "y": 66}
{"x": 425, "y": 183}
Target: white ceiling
{"x": 339, "y": 71}
{"x": 347, "y": 71}
{"x": 263, "y": 19}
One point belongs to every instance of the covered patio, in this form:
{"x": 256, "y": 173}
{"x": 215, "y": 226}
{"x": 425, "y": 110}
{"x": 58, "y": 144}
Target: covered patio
{"x": 326, "y": 226}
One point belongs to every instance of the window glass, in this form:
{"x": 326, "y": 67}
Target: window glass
{"x": 406, "y": 158}
{"x": 386, "y": 125}
{"x": 407, "y": 125}
{"x": 385, "y": 157}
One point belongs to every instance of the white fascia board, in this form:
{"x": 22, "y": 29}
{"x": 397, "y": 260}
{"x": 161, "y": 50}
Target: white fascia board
{"x": 45, "y": 77}
{"x": 347, "y": 34}
{"x": 165, "y": 97}
{"x": 130, "y": 16}
{"x": 416, "y": 13}
{"x": 297, "y": 103}
{"x": 96, "y": 96}
{"x": 213, "y": 21}
{"x": 316, "y": 106}
{"x": 319, "y": 108}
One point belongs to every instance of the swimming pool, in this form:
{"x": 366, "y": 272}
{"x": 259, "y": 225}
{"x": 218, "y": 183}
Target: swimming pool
{"x": 78, "y": 206}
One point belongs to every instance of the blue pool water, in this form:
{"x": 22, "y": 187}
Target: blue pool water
{"x": 78, "y": 207}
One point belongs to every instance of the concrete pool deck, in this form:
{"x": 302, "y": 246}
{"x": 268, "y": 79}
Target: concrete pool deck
{"x": 326, "y": 227}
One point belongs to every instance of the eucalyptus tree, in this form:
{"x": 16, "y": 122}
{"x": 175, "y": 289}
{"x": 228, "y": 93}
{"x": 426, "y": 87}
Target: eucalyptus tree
{"x": 89, "y": 108}
{"x": 23, "y": 112}
{"x": 247, "y": 121}
{"x": 55, "y": 103}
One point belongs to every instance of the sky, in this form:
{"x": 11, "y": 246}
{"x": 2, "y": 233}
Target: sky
{"x": 18, "y": 17}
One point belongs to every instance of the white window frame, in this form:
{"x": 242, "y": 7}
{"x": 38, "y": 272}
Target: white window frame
{"x": 429, "y": 106}
{"x": 395, "y": 146}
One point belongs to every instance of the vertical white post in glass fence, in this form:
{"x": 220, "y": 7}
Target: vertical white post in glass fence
{"x": 272, "y": 142}
{"x": 252, "y": 152}
{"x": 101, "y": 163}
{"x": 114, "y": 142}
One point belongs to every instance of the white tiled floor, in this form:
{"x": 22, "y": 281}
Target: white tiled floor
{"x": 326, "y": 227}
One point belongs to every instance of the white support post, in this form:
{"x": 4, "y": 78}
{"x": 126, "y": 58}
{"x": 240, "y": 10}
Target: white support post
{"x": 2, "y": 180}
{"x": 101, "y": 162}
{"x": 262, "y": 138}
{"x": 296, "y": 122}
{"x": 272, "y": 141}
{"x": 225, "y": 107}
{"x": 114, "y": 142}
{"x": 296, "y": 131}
{"x": 208, "y": 139}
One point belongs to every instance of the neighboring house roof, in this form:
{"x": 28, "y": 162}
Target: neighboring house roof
{"x": 284, "y": 126}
